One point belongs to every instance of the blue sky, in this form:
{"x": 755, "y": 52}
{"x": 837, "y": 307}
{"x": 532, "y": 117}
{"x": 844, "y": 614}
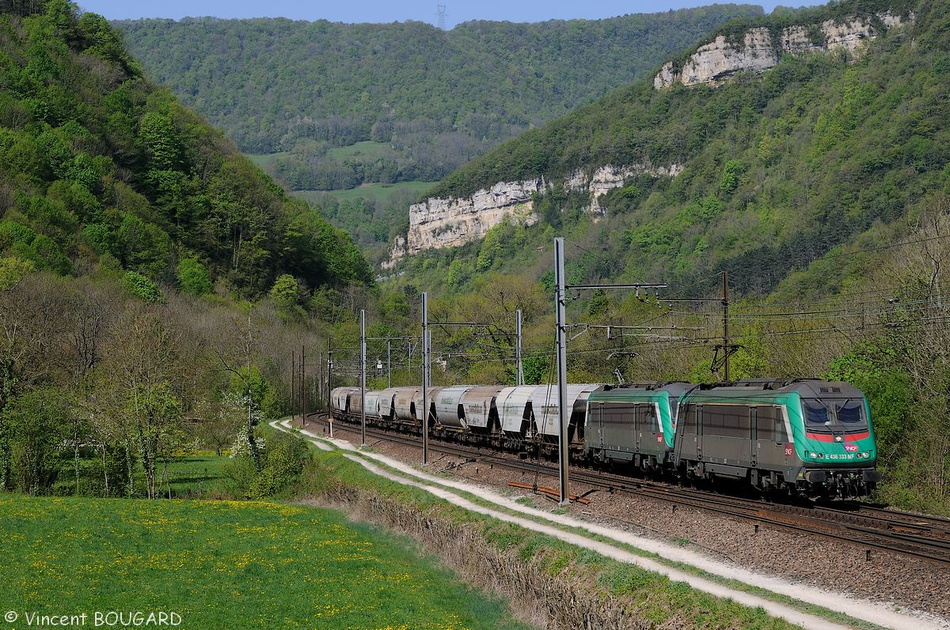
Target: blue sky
{"x": 456, "y": 11}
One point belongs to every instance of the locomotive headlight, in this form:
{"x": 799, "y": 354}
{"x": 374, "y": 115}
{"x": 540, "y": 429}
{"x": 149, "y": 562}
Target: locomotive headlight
{"x": 813, "y": 455}
{"x": 821, "y": 456}
{"x": 866, "y": 455}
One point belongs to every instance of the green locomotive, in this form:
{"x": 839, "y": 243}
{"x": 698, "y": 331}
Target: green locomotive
{"x": 799, "y": 436}
{"x": 633, "y": 424}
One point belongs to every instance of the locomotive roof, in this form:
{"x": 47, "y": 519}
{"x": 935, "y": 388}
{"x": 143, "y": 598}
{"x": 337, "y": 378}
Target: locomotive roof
{"x": 641, "y": 391}
{"x": 806, "y": 387}
{"x": 653, "y": 386}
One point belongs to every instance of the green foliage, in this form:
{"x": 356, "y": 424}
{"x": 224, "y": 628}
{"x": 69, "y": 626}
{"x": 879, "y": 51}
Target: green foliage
{"x": 32, "y": 439}
{"x": 874, "y": 369}
{"x": 327, "y": 305}
{"x": 143, "y": 288}
{"x": 104, "y": 42}
{"x": 13, "y": 270}
{"x": 37, "y": 251}
{"x": 490, "y": 248}
{"x": 282, "y": 463}
{"x": 730, "y": 177}
{"x": 285, "y": 293}
{"x": 107, "y": 169}
{"x": 460, "y": 272}
{"x": 599, "y": 303}
{"x": 12, "y": 232}
{"x": 193, "y": 277}
{"x": 265, "y": 400}
{"x": 161, "y": 142}
{"x": 538, "y": 368}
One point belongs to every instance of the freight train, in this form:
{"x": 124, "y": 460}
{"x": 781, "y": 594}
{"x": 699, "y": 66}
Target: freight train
{"x": 800, "y": 437}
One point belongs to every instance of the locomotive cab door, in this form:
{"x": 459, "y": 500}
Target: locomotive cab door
{"x": 770, "y": 448}
{"x": 753, "y": 427}
{"x": 637, "y": 427}
{"x": 595, "y": 427}
{"x": 652, "y": 428}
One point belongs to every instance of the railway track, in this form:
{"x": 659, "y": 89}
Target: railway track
{"x": 871, "y": 527}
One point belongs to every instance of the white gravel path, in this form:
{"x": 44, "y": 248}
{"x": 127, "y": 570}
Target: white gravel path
{"x": 553, "y": 525}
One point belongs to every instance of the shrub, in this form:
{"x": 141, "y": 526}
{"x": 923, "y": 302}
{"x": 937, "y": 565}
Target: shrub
{"x": 143, "y": 288}
{"x": 193, "y": 277}
{"x": 283, "y": 460}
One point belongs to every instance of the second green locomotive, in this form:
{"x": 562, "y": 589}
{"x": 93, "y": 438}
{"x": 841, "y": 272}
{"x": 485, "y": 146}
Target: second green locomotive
{"x": 795, "y": 436}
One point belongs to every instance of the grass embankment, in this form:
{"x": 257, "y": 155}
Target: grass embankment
{"x": 223, "y": 564}
{"x": 550, "y": 582}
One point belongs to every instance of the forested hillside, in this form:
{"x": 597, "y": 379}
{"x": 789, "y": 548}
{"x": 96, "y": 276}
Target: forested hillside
{"x": 429, "y": 100}
{"x": 149, "y": 273}
{"x": 101, "y": 166}
{"x": 777, "y": 168}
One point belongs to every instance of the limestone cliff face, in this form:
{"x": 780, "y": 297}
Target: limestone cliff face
{"x": 758, "y": 51}
{"x": 720, "y": 58}
{"x": 437, "y": 223}
{"x": 606, "y": 178}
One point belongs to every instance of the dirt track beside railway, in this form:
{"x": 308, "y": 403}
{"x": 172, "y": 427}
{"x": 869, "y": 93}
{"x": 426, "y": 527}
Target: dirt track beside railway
{"x": 716, "y": 558}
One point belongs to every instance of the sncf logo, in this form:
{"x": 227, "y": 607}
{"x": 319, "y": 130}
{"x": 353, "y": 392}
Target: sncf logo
{"x": 851, "y": 448}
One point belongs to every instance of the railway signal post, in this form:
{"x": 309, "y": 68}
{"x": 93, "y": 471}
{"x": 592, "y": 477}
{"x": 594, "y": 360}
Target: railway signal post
{"x": 362, "y": 377}
{"x": 425, "y": 378}
{"x": 560, "y": 293}
{"x": 560, "y": 325}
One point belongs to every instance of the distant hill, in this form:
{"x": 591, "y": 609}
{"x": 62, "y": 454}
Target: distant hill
{"x": 431, "y": 100}
{"x": 101, "y": 167}
{"x": 761, "y": 171}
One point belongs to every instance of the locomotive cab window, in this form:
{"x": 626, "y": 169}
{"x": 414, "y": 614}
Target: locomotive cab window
{"x": 817, "y": 414}
{"x": 851, "y": 413}
{"x": 834, "y": 415}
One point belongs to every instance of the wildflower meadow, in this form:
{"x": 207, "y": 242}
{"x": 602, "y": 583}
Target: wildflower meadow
{"x": 220, "y": 564}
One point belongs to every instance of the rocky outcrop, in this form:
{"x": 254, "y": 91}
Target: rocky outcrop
{"x": 606, "y": 178}
{"x": 437, "y": 223}
{"x": 720, "y": 58}
{"x": 759, "y": 51}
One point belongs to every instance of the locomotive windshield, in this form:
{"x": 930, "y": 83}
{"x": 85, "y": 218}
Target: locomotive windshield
{"x": 834, "y": 415}
{"x": 816, "y": 413}
{"x": 850, "y": 413}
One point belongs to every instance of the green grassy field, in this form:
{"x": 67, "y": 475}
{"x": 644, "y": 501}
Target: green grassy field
{"x": 196, "y": 476}
{"x": 223, "y": 564}
{"x": 379, "y": 192}
{"x": 266, "y": 160}
{"x": 200, "y": 475}
{"x": 366, "y": 149}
